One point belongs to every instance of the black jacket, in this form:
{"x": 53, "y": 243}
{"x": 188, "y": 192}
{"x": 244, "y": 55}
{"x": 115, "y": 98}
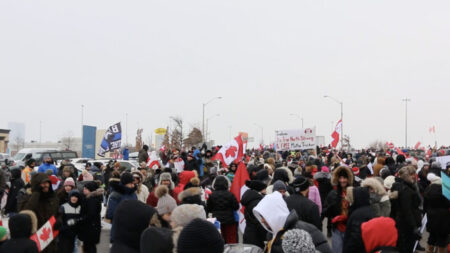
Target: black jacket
{"x": 254, "y": 232}
{"x": 222, "y": 205}
{"x": 156, "y": 240}
{"x": 19, "y": 245}
{"x": 16, "y": 185}
{"x": 359, "y": 212}
{"x": 292, "y": 222}
{"x": 408, "y": 215}
{"x": 325, "y": 187}
{"x": 307, "y": 210}
{"x": 437, "y": 208}
{"x": 142, "y": 156}
{"x": 90, "y": 224}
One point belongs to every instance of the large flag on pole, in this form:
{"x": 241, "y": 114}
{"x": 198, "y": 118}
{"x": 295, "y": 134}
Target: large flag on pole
{"x": 112, "y": 140}
{"x": 336, "y": 134}
{"x": 238, "y": 188}
{"x": 230, "y": 152}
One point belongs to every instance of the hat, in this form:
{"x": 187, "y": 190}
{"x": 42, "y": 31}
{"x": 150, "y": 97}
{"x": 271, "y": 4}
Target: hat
{"x": 255, "y": 185}
{"x": 185, "y": 213}
{"x": 300, "y": 184}
{"x": 126, "y": 178}
{"x": 279, "y": 185}
{"x": 69, "y": 182}
{"x": 200, "y": 236}
{"x": 325, "y": 169}
{"x": 166, "y": 203}
{"x": 165, "y": 176}
{"x": 297, "y": 240}
{"x": 355, "y": 171}
{"x": 67, "y": 169}
{"x": 379, "y": 232}
{"x": 20, "y": 226}
{"x": 91, "y": 186}
{"x": 3, "y": 233}
{"x": 388, "y": 182}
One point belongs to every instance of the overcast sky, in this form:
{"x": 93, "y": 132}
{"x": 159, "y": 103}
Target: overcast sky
{"x": 267, "y": 59}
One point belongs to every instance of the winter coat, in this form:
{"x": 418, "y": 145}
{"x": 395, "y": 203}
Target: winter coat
{"x": 44, "y": 205}
{"x": 45, "y": 166}
{"x": 142, "y": 156}
{"x": 119, "y": 193}
{"x": 70, "y": 213}
{"x": 90, "y": 224}
{"x": 63, "y": 196}
{"x": 16, "y": 185}
{"x": 437, "y": 208}
{"x": 142, "y": 193}
{"x": 128, "y": 228}
{"x": 184, "y": 177}
{"x": 314, "y": 196}
{"x": 254, "y": 233}
{"x": 21, "y": 228}
{"x": 19, "y": 245}
{"x": 191, "y": 165}
{"x": 324, "y": 185}
{"x": 379, "y": 198}
{"x": 222, "y": 203}
{"x": 156, "y": 240}
{"x": 307, "y": 210}
{"x": 360, "y": 211}
{"x": 274, "y": 210}
{"x": 407, "y": 214}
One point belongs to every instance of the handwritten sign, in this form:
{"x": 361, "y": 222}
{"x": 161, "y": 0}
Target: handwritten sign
{"x": 296, "y": 139}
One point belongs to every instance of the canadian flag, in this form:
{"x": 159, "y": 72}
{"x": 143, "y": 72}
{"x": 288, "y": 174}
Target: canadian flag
{"x": 238, "y": 189}
{"x": 162, "y": 148}
{"x": 336, "y": 134}
{"x": 432, "y": 129}
{"x": 390, "y": 145}
{"x": 153, "y": 162}
{"x": 230, "y": 152}
{"x": 417, "y": 145}
{"x": 45, "y": 235}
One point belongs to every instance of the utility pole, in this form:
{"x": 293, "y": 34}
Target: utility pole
{"x": 406, "y": 100}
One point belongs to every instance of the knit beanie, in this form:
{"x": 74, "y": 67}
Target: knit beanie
{"x": 166, "y": 203}
{"x": 279, "y": 185}
{"x": 200, "y": 236}
{"x": 185, "y": 213}
{"x": 126, "y": 178}
{"x": 388, "y": 182}
{"x": 3, "y": 233}
{"x": 297, "y": 240}
{"x": 300, "y": 184}
{"x": 69, "y": 182}
{"x": 255, "y": 185}
{"x": 91, "y": 186}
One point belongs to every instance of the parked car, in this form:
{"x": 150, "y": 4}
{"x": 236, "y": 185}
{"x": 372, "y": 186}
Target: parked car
{"x": 80, "y": 163}
{"x": 4, "y": 157}
{"x": 39, "y": 154}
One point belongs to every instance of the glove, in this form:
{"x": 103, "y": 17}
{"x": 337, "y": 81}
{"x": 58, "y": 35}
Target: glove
{"x": 71, "y": 222}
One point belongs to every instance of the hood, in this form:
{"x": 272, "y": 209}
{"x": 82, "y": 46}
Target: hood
{"x": 34, "y": 221}
{"x": 122, "y": 189}
{"x": 39, "y": 178}
{"x": 190, "y": 192}
{"x": 358, "y": 196}
{"x": 337, "y": 171}
{"x": 221, "y": 183}
{"x": 127, "y": 227}
{"x": 405, "y": 172}
{"x": 186, "y": 176}
{"x": 284, "y": 174}
{"x": 374, "y": 184}
{"x": 274, "y": 210}
{"x": 15, "y": 174}
{"x": 249, "y": 196}
{"x": 322, "y": 175}
{"x": 97, "y": 193}
{"x": 433, "y": 178}
{"x": 379, "y": 232}
{"x": 20, "y": 226}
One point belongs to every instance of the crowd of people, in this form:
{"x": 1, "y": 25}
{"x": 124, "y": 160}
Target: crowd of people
{"x": 365, "y": 201}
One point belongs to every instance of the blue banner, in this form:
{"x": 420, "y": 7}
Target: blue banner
{"x": 112, "y": 139}
{"x": 88, "y": 146}
{"x": 445, "y": 185}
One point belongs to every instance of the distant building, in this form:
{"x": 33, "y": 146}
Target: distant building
{"x": 4, "y": 140}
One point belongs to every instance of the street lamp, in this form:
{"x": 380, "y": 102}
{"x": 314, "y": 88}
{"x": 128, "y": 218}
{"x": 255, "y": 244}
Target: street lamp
{"x": 406, "y": 100}
{"x": 207, "y": 124}
{"x": 203, "y": 117}
{"x": 262, "y": 132}
{"x": 298, "y": 116}
{"x": 342, "y": 116}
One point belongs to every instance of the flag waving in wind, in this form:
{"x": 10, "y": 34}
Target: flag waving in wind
{"x": 112, "y": 139}
{"x": 336, "y": 134}
{"x": 238, "y": 188}
{"x": 230, "y": 152}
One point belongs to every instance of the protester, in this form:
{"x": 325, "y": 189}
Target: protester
{"x": 379, "y": 198}
{"x": 307, "y": 210}
{"x": 90, "y": 224}
{"x": 48, "y": 165}
{"x": 254, "y": 232}
{"x": 200, "y": 236}
{"x": 166, "y": 203}
{"x": 16, "y": 185}
{"x": 185, "y": 177}
{"x": 143, "y": 155}
{"x": 298, "y": 240}
{"x": 70, "y": 213}
{"x": 26, "y": 172}
{"x": 141, "y": 190}
{"x": 379, "y": 235}
{"x": 359, "y": 212}
{"x": 223, "y": 205}
{"x": 164, "y": 179}
{"x": 183, "y": 215}
{"x": 63, "y": 193}
{"x": 273, "y": 214}
{"x": 20, "y": 228}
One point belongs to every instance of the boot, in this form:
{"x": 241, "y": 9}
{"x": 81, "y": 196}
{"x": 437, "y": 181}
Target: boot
{"x": 430, "y": 249}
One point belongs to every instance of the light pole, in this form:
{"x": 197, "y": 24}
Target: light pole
{"x": 203, "y": 117}
{"x": 207, "y": 124}
{"x": 262, "y": 132}
{"x": 342, "y": 117}
{"x": 406, "y": 100}
{"x": 298, "y": 116}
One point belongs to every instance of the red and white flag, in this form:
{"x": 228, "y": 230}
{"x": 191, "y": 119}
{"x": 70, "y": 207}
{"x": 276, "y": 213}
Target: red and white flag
{"x": 162, "y": 148}
{"x": 432, "y": 129}
{"x": 238, "y": 189}
{"x": 153, "y": 162}
{"x": 45, "y": 235}
{"x": 390, "y": 145}
{"x": 336, "y": 134}
{"x": 417, "y": 145}
{"x": 230, "y": 152}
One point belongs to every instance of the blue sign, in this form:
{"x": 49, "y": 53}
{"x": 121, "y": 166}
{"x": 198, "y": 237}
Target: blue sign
{"x": 88, "y": 148}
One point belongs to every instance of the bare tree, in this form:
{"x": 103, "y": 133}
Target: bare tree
{"x": 179, "y": 128}
{"x": 139, "y": 139}
{"x": 194, "y": 138}
{"x": 18, "y": 144}
{"x": 378, "y": 145}
{"x": 175, "y": 141}
{"x": 67, "y": 140}
{"x": 166, "y": 142}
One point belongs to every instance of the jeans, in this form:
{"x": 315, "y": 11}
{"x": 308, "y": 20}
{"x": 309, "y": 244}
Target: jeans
{"x": 337, "y": 241}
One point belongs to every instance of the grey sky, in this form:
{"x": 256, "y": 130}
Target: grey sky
{"x": 155, "y": 59}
